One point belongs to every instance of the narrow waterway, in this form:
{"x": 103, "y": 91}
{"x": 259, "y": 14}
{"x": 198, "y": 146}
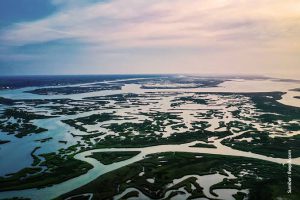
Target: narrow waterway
{"x": 99, "y": 169}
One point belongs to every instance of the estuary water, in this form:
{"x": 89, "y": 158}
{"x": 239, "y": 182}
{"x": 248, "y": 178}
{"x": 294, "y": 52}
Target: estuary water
{"x": 19, "y": 149}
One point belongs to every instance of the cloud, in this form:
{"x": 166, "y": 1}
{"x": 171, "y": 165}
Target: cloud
{"x": 161, "y": 23}
{"x": 213, "y": 34}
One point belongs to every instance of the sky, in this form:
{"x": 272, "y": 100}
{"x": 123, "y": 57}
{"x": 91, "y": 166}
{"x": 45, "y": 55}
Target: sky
{"x": 259, "y": 37}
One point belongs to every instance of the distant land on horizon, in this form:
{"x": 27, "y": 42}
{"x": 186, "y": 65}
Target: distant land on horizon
{"x": 19, "y": 81}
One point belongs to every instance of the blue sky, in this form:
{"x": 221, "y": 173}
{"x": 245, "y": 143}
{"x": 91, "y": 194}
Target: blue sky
{"x": 14, "y": 11}
{"x": 150, "y": 36}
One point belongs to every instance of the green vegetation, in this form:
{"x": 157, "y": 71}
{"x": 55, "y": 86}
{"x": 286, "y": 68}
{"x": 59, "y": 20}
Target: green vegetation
{"x": 157, "y": 123}
{"x": 130, "y": 194}
{"x": 21, "y": 130}
{"x": 96, "y": 118}
{"x": 36, "y": 159}
{"x": 5, "y": 101}
{"x": 89, "y": 120}
{"x": 200, "y": 125}
{"x": 58, "y": 169}
{"x": 152, "y": 139}
{"x": 185, "y": 82}
{"x": 121, "y": 97}
{"x": 271, "y": 183}
{"x": 187, "y": 185}
{"x": 189, "y": 99}
{"x": 209, "y": 114}
{"x": 264, "y": 179}
{"x": 64, "y": 106}
{"x": 296, "y": 90}
{"x": 21, "y": 125}
{"x": 178, "y": 126}
{"x": 239, "y": 196}
{"x": 203, "y": 145}
{"x": 267, "y": 102}
{"x": 261, "y": 143}
{"x": 127, "y": 128}
{"x": 74, "y": 90}
{"x": 26, "y": 116}
{"x": 4, "y": 141}
{"x": 44, "y": 140}
{"x": 108, "y": 158}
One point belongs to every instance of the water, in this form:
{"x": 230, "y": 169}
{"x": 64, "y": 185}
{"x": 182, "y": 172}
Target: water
{"x": 20, "y": 149}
